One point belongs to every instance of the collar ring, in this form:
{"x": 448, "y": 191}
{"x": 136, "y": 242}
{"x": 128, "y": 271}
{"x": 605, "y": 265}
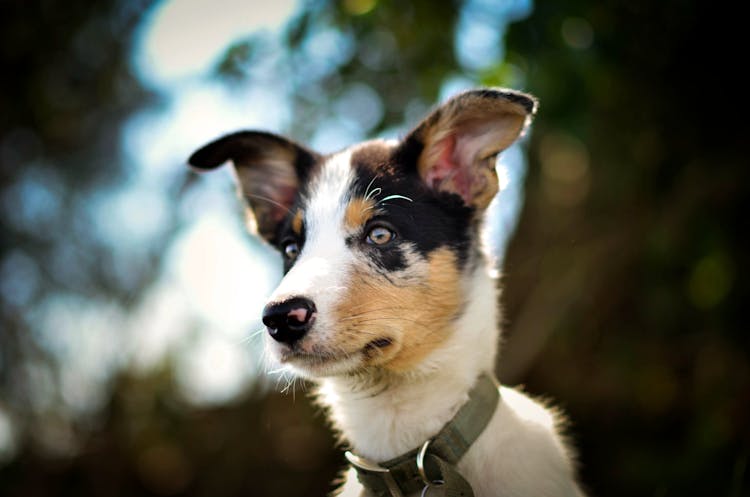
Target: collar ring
{"x": 420, "y": 466}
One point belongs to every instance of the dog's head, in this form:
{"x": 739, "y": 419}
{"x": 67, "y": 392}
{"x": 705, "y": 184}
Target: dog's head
{"x": 377, "y": 239}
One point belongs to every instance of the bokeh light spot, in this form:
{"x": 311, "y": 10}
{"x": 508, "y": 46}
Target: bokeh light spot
{"x": 577, "y": 33}
{"x": 710, "y": 281}
{"x": 359, "y": 7}
{"x": 182, "y": 38}
{"x": 565, "y": 169}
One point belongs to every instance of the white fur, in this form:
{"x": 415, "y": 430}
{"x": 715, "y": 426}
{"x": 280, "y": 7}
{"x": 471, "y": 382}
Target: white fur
{"x": 520, "y": 453}
{"x": 321, "y": 269}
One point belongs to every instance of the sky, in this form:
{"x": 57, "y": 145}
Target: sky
{"x": 215, "y": 273}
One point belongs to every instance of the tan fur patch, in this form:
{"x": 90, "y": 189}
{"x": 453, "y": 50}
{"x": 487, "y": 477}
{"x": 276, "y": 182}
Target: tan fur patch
{"x": 297, "y": 222}
{"x": 413, "y": 310}
{"x": 358, "y": 212}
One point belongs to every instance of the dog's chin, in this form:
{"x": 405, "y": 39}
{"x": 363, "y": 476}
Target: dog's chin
{"x": 322, "y": 364}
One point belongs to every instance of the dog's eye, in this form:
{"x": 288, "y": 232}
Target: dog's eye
{"x": 380, "y": 235}
{"x": 291, "y": 250}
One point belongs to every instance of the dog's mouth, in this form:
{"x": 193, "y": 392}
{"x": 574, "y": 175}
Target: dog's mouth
{"x": 377, "y": 345}
{"x": 323, "y": 362}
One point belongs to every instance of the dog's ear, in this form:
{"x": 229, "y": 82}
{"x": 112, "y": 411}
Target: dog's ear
{"x": 454, "y": 148}
{"x": 269, "y": 171}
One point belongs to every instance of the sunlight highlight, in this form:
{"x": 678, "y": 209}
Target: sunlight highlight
{"x": 182, "y": 38}
{"x": 214, "y": 371}
{"x": 223, "y": 278}
{"x": 7, "y": 437}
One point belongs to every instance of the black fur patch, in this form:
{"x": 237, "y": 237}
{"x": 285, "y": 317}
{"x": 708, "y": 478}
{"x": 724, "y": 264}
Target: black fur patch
{"x": 285, "y": 234}
{"x": 387, "y": 258}
{"x": 429, "y": 221}
{"x": 526, "y": 101}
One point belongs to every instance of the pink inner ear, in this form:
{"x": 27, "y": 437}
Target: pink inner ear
{"x": 281, "y": 196}
{"x": 451, "y": 171}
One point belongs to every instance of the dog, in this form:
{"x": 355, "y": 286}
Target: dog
{"x": 388, "y": 302}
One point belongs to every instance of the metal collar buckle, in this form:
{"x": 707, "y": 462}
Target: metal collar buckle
{"x": 367, "y": 465}
{"x": 422, "y": 473}
{"x": 420, "y": 463}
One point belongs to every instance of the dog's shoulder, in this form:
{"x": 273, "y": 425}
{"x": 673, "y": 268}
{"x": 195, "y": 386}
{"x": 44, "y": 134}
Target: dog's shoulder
{"x": 533, "y": 431}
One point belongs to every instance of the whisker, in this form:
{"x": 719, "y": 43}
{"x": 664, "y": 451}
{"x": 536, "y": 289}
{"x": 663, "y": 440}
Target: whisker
{"x": 367, "y": 311}
{"x": 251, "y": 336}
{"x": 413, "y": 323}
{"x": 370, "y": 319}
{"x": 270, "y": 200}
{"x": 289, "y": 385}
{"x": 391, "y": 197}
{"x": 367, "y": 190}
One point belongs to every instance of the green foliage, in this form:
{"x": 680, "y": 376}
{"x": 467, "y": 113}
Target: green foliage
{"x": 625, "y": 286}
{"x": 640, "y": 274}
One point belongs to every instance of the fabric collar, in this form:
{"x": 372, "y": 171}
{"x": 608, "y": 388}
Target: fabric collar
{"x": 434, "y": 464}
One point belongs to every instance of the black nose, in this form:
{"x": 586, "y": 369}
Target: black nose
{"x": 288, "y": 321}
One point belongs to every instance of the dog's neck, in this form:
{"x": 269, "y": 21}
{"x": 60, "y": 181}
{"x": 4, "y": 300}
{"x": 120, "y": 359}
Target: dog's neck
{"x": 383, "y": 415}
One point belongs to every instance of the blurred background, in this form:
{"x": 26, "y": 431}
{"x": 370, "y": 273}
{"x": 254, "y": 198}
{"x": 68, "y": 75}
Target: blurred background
{"x": 130, "y": 349}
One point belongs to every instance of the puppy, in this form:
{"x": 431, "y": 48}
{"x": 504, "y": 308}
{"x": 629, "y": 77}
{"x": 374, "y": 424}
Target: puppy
{"x": 387, "y": 301}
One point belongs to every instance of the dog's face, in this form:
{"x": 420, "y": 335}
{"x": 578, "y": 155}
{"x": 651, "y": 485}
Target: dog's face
{"x": 377, "y": 240}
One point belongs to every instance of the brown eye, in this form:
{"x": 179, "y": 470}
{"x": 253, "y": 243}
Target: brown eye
{"x": 291, "y": 250}
{"x": 380, "y": 235}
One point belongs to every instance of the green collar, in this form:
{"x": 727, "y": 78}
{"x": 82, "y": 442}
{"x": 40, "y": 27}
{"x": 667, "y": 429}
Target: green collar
{"x": 434, "y": 464}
